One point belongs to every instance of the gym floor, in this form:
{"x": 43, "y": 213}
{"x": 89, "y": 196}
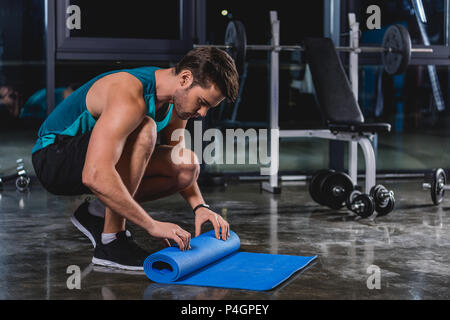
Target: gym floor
{"x": 410, "y": 246}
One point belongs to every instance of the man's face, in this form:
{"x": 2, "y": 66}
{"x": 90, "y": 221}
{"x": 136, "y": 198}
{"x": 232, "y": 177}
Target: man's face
{"x": 192, "y": 102}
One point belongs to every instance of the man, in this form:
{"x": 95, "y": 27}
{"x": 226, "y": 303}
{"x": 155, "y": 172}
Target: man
{"x": 102, "y": 140}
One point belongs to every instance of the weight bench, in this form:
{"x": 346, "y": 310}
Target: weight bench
{"x": 342, "y": 115}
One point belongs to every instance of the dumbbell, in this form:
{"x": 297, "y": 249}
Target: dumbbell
{"x": 364, "y": 205}
{"x": 384, "y": 200}
{"x": 437, "y": 185}
{"x": 22, "y": 179}
{"x": 361, "y": 204}
{"x": 330, "y": 188}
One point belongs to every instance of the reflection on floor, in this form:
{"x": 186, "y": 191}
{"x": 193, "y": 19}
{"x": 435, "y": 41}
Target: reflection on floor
{"x": 409, "y": 246}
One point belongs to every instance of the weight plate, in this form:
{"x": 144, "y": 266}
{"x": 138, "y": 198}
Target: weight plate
{"x": 374, "y": 190}
{"x": 367, "y": 205}
{"x": 236, "y": 37}
{"x": 351, "y": 198}
{"x": 335, "y": 189}
{"x": 397, "y": 43}
{"x": 382, "y": 206}
{"x": 375, "y": 194}
{"x": 437, "y": 192}
{"x": 386, "y": 207}
{"x": 315, "y": 183}
{"x": 22, "y": 183}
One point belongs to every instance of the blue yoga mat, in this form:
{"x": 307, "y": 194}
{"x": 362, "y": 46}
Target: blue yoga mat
{"x": 217, "y": 263}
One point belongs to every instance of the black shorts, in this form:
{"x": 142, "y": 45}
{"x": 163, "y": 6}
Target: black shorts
{"x": 59, "y": 166}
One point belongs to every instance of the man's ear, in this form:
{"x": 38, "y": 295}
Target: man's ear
{"x": 186, "y": 78}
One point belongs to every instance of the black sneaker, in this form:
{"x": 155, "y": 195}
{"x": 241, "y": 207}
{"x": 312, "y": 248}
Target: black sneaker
{"x": 122, "y": 253}
{"x": 91, "y": 226}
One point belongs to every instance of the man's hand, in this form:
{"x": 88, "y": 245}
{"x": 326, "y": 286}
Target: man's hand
{"x": 166, "y": 231}
{"x": 204, "y": 214}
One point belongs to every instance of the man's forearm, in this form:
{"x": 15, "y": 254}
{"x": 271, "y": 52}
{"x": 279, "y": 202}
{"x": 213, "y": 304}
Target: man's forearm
{"x": 112, "y": 192}
{"x": 193, "y": 195}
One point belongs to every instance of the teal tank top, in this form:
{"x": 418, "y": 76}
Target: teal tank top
{"x": 72, "y": 118}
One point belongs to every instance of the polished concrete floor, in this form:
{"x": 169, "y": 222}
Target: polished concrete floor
{"x": 410, "y": 246}
{"x": 38, "y": 243}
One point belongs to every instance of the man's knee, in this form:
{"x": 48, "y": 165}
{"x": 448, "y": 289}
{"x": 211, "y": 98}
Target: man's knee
{"x": 188, "y": 170}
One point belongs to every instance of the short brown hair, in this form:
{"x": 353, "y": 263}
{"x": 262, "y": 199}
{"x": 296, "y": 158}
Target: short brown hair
{"x": 211, "y": 65}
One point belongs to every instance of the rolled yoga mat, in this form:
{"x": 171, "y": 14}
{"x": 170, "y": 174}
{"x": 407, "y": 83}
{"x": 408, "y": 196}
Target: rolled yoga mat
{"x": 217, "y": 263}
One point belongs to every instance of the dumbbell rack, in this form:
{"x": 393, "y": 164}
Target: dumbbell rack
{"x": 21, "y": 177}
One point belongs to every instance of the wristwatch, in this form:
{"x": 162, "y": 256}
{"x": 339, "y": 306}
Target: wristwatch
{"x": 203, "y": 205}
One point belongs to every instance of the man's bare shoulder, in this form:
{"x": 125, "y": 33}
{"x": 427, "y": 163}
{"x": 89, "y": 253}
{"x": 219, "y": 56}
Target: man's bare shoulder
{"x": 112, "y": 89}
{"x": 122, "y": 81}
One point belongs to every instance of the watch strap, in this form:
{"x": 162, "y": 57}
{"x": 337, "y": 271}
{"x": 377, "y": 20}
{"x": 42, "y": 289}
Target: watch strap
{"x": 203, "y": 205}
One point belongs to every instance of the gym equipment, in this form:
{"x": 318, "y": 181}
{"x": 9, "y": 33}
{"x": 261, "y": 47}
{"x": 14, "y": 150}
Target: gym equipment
{"x": 361, "y": 204}
{"x": 21, "y": 177}
{"x": 343, "y": 119}
{"x": 396, "y": 62}
{"x": 380, "y": 200}
{"x": 395, "y": 49}
{"x": 436, "y": 183}
{"x": 432, "y": 72}
{"x": 384, "y": 200}
{"x": 335, "y": 189}
{"x": 315, "y": 186}
{"x": 330, "y": 188}
{"x": 236, "y": 40}
{"x": 217, "y": 263}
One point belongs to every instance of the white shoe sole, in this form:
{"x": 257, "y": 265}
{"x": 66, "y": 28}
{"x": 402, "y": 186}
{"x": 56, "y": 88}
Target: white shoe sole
{"x": 78, "y": 225}
{"x": 107, "y": 263}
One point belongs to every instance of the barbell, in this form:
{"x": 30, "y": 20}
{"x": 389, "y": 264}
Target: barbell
{"x": 395, "y": 50}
